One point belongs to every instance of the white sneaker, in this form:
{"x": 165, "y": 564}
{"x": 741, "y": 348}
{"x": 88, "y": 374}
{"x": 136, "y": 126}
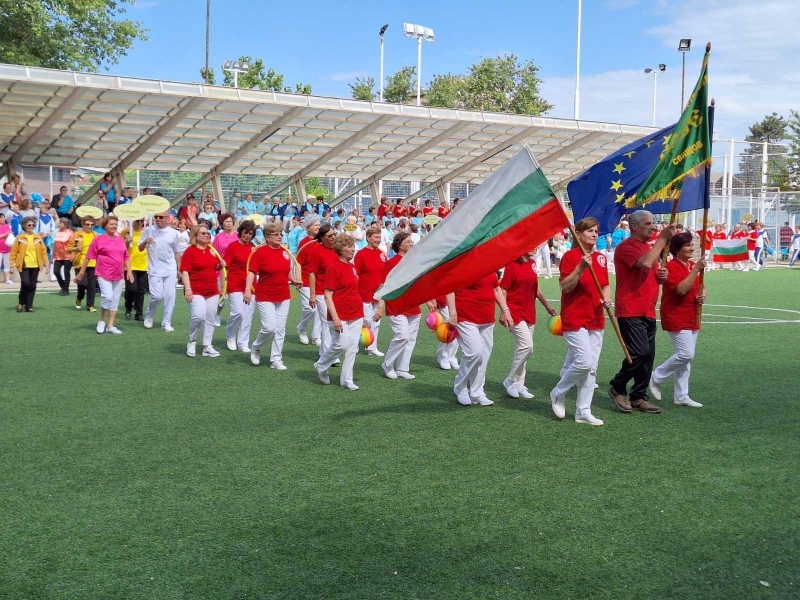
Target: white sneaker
{"x": 317, "y": 342}
{"x": 255, "y": 357}
{"x": 511, "y": 388}
{"x": 375, "y": 353}
{"x": 277, "y": 365}
{"x": 244, "y": 349}
{"x": 454, "y": 363}
{"x": 484, "y": 401}
{"x": 113, "y": 330}
{"x": 745, "y": 270}
{"x": 303, "y": 338}
{"x": 588, "y": 418}
{"x": 166, "y": 327}
{"x": 323, "y": 375}
{"x": 597, "y": 387}
{"x": 337, "y": 362}
{"x": 191, "y": 348}
{"x": 405, "y": 375}
{"x": 217, "y": 321}
{"x": 101, "y": 327}
{"x": 524, "y": 393}
{"x": 688, "y": 402}
{"x": 350, "y": 386}
{"x": 148, "y": 323}
{"x": 655, "y": 389}
{"x": 444, "y": 365}
{"x": 558, "y": 406}
{"x": 231, "y": 343}
{"x": 464, "y": 399}
{"x": 210, "y": 352}
{"x": 389, "y": 372}
{"x": 9, "y": 282}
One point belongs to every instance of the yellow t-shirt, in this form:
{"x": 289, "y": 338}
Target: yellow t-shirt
{"x": 31, "y": 260}
{"x": 86, "y": 241}
{"x": 138, "y": 258}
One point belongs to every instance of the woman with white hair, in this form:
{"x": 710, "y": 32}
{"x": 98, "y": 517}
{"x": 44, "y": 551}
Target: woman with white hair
{"x": 305, "y": 252}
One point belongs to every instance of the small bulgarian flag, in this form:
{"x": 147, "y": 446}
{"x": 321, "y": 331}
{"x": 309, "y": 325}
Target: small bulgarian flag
{"x": 511, "y": 213}
{"x": 726, "y": 251}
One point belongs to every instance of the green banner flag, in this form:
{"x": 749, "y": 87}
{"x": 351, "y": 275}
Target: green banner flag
{"x": 686, "y": 152}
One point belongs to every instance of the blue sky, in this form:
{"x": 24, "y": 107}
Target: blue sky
{"x": 328, "y": 44}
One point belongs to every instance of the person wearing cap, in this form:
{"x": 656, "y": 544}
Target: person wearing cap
{"x": 309, "y": 204}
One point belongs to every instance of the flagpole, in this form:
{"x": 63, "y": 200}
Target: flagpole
{"x": 672, "y": 218}
{"x": 706, "y": 204}
{"x": 599, "y": 288}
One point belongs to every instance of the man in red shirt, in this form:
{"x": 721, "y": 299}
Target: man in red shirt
{"x": 638, "y": 276}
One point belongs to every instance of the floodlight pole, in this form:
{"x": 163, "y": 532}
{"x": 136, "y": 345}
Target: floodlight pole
{"x": 381, "y": 92}
{"x": 577, "y": 112}
{"x": 208, "y": 34}
{"x": 655, "y": 94}
{"x": 683, "y": 78}
{"x": 419, "y": 71}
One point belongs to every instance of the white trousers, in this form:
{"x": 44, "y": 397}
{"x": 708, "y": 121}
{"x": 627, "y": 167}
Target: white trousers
{"x": 369, "y": 312}
{"x": 273, "y": 327}
{"x": 476, "y": 343}
{"x": 325, "y": 331}
{"x": 202, "y": 313}
{"x": 5, "y": 262}
{"x": 446, "y": 352}
{"x": 580, "y": 367}
{"x": 610, "y": 262}
{"x": 523, "y": 349}
{"x": 110, "y": 293}
{"x": 543, "y": 258}
{"x": 342, "y": 346}
{"x": 308, "y": 315}
{"x": 162, "y": 289}
{"x": 679, "y": 365}
{"x": 398, "y": 355}
{"x": 240, "y": 320}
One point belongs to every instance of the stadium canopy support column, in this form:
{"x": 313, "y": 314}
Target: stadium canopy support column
{"x": 422, "y": 149}
{"x": 144, "y": 145}
{"x": 375, "y": 192}
{"x": 254, "y": 142}
{"x": 119, "y": 178}
{"x": 216, "y": 186}
{"x": 441, "y": 192}
{"x": 313, "y": 166}
{"x": 301, "y": 190}
{"x": 41, "y": 131}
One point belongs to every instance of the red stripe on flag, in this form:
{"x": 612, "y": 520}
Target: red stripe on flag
{"x": 496, "y": 253}
{"x": 729, "y": 258}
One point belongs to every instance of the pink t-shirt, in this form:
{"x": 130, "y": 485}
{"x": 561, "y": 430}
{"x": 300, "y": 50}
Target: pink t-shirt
{"x": 110, "y": 254}
{"x": 4, "y": 249}
{"x": 222, "y": 240}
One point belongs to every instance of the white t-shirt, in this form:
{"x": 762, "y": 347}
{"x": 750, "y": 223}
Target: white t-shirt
{"x": 760, "y": 239}
{"x": 161, "y": 251}
{"x": 796, "y": 241}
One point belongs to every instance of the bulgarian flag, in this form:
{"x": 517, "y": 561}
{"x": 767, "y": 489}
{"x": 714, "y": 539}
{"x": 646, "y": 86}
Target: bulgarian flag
{"x": 726, "y": 251}
{"x": 511, "y": 213}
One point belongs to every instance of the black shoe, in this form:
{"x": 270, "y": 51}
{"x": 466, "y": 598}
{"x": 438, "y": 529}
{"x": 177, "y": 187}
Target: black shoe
{"x": 138, "y": 318}
{"x": 127, "y": 316}
{"x": 20, "y": 308}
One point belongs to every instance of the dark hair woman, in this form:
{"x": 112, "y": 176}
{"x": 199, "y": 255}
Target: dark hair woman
{"x": 237, "y": 255}
{"x": 323, "y": 255}
{"x": 28, "y": 256}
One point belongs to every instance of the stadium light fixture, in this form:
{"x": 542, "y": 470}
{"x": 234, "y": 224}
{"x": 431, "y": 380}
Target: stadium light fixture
{"x": 684, "y": 46}
{"x": 419, "y": 33}
{"x": 236, "y": 67}
{"x": 662, "y": 68}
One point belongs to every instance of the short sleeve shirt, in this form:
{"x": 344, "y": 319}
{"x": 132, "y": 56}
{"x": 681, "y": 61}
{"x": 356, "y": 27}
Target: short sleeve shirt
{"x": 370, "y": 265}
{"x": 110, "y": 254}
{"x": 202, "y": 266}
{"x": 582, "y": 308}
{"x": 475, "y": 303}
{"x": 521, "y": 283}
{"x": 272, "y": 267}
{"x": 679, "y": 313}
{"x": 236, "y": 257}
{"x": 342, "y": 280}
{"x": 637, "y": 289}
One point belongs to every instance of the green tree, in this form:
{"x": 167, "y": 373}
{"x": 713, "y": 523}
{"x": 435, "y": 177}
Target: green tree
{"x": 79, "y": 35}
{"x": 501, "y": 84}
{"x": 257, "y": 78}
{"x": 772, "y": 130}
{"x": 314, "y": 186}
{"x": 401, "y": 87}
{"x": 791, "y": 202}
{"x": 363, "y": 88}
{"x": 212, "y": 78}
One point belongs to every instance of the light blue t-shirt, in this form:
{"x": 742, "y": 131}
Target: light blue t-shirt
{"x": 602, "y": 242}
{"x": 295, "y": 235}
{"x": 248, "y": 206}
{"x": 618, "y": 236}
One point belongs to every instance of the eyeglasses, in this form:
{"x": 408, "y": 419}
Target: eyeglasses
{"x": 330, "y": 235}
{"x": 159, "y": 217}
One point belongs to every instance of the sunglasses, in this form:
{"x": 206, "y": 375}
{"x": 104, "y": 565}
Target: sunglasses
{"x": 159, "y": 217}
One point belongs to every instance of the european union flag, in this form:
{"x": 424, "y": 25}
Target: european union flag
{"x": 601, "y": 191}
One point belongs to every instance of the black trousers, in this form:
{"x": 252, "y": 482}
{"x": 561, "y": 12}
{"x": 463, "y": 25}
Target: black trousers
{"x": 134, "y": 292}
{"x": 28, "y": 278}
{"x": 87, "y": 287}
{"x": 62, "y": 269}
{"x": 639, "y": 334}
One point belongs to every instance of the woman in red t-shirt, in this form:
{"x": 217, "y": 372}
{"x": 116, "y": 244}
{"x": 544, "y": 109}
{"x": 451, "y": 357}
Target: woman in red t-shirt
{"x": 582, "y": 321}
{"x": 679, "y": 300}
{"x": 405, "y": 325}
{"x": 272, "y": 264}
{"x": 200, "y": 265}
{"x": 322, "y": 255}
{"x": 345, "y": 313}
{"x": 236, "y": 255}
{"x": 370, "y": 263}
{"x": 472, "y": 312}
{"x": 308, "y": 312}
{"x": 521, "y": 286}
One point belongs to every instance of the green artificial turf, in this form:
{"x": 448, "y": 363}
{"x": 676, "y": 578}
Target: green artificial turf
{"x": 128, "y": 470}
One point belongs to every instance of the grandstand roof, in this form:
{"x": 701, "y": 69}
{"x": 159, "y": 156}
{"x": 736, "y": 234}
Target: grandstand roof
{"x": 106, "y": 121}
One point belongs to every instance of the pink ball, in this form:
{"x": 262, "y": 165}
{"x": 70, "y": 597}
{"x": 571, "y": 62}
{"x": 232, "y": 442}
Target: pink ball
{"x": 433, "y": 320}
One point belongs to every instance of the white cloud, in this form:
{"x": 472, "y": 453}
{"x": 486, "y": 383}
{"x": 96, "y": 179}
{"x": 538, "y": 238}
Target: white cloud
{"x": 752, "y": 68}
{"x": 348, "y": 75}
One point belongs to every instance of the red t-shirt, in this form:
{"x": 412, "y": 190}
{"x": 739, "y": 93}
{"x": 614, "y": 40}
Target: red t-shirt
{"x": 582, "y": 307}
{"x": 752, "y": 236}
{"x": 382, "y": 211}
{"x": 475, "y": 303}
{"x": 426, "y": 210}
{"x": 369, "y": 268}
{"x": 737, "y": 235}
{"x": 522, "y": 284}
{"x": 414, "y": 310}
{"x": 637, "y": 289}
{"x": 443, "y": 212}
{"x": 342, "y": 280}
{"x": 305, "y": 250}
{"x": 321, "y": 258}
{"x": 236, "y": 257}
{"x": 719, "y": 236}
{"x": 399, "y": 211}
{"x": 679, "y": 312}
{"x": 272, "y": 267}
{"x": 202, "y": 267}
{"x": 653, "y": 239}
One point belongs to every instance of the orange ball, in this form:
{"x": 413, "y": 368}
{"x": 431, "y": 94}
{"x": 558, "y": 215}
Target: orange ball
{"x": 554, "y": 325}
{"x": 446, "y": 333}
{"x": 367, "y": 337}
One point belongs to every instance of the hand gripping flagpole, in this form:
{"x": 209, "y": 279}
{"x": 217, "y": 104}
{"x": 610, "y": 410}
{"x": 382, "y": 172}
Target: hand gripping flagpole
{"x": 611, "y": 318}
